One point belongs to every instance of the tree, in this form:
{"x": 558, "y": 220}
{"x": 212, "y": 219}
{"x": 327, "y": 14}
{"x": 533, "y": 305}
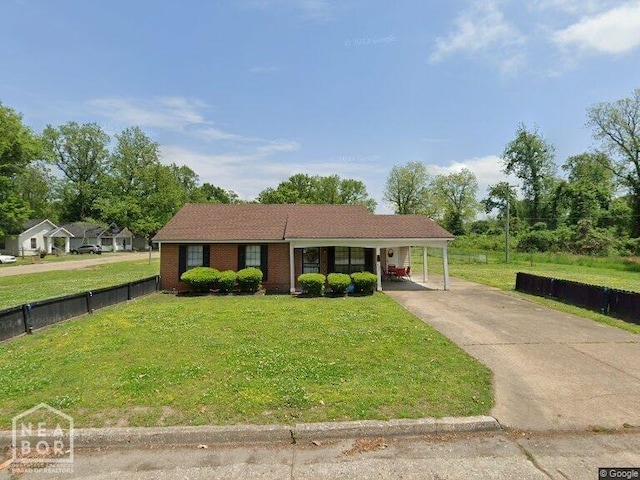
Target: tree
{"x": 213, "y": 194}
{"x": 138, "y": 191}
{"x": 19, "y": 146}
{"x": 617, "y": 126}
{"x": 303, "y": 188}
{"x": 589, "y": 188}
{"x": 80, "y": 152}
{"x": 407, "y": 189}
{"x": 38, "y": 188}
{"x": 530, "y": 158}
{"x": 456, "y": 193}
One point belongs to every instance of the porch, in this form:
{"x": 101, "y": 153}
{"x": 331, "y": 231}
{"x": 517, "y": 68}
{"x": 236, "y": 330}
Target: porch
{"x": 379, "y": 257}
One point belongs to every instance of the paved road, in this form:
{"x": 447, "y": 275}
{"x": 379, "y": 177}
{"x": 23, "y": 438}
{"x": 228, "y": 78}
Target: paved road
{"x": 551, "y": 370}
{"x": 79, "y": 261}
{"x": 481, "y": 456}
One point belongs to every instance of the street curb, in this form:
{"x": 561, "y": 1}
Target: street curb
{"x": 306, "y": 432}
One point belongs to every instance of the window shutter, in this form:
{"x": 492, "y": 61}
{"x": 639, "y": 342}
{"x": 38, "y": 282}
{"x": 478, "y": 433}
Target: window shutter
{"x": 368, "y": 259}
{"x": 241, "y": 256}
{"x": 206, "y": 260}
{"x": 264, "y": 262}
{"x": 331, "y": 259}
{"x": 182, "y": 260}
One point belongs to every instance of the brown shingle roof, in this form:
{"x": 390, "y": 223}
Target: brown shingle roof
{"x": 257, "y": 222}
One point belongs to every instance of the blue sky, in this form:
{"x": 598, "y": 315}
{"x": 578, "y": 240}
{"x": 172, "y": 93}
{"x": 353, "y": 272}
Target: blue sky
{"x": 249, "y": 92}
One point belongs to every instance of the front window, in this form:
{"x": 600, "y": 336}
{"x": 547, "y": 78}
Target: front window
{"x": 195, "y": 257}
{"x": 349, "y": 259}
{"x": 253, "y": 256}
{"x": 34, "y": 243}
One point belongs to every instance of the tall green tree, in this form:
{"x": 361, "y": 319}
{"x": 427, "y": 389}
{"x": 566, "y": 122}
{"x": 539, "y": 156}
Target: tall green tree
{"x": 303, "y": 188}
{"x": 530, "y": 158}
{"x": 589, "y": 188}
{"x": 138, "y": 191}
{"x": 617, "y": 126}
{"x": 213, "y": 194}
{"x": 407, "y": 189}
{"x": 36, "y": 186}
{"x": 455, "y": 193}
{"x": 19, "y": 146}
{"x": 80, "y": 152}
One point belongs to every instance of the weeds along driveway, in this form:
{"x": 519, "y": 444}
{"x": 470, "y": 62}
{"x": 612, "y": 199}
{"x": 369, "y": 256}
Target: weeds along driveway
{"x": 551, "y": 370}
{"x": 81, "y": 262}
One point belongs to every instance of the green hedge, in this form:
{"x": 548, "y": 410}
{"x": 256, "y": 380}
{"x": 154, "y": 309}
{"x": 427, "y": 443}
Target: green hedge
{"x": 312, "y": 283}
{"x": 200, "y": 279}
{"x": 227, "y": 280}
{"x": 365, "y": 282}
{"x": 249, "y": 279}
{"x": 339, "y": 282}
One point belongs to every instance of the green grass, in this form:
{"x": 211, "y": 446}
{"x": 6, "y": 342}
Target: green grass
{"x": 167, "y": 360}
{"x": 20, "y": 289}
{"x": 609, "y": 272}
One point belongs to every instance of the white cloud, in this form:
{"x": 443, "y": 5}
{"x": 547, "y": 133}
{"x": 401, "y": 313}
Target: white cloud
{"x": 171, "y": 113}
{"x": 487, "y": 169}
{"x": 483, "y": 30}
{"x": 615, "y": 31}
{"x": 229, "y": 170}
{"x": 574, "y": 7}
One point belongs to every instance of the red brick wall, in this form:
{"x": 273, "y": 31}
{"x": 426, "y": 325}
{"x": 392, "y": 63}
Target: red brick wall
{"x": 225, "y": 257}
{"x": 169, "y": 268}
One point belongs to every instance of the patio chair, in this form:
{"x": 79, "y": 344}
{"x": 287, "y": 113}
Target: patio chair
{"x": 407, "y": 274}
{"x": 401, "y": 273}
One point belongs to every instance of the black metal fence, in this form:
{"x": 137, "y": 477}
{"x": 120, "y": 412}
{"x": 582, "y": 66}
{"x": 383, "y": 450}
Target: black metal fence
{"x": 26, "y": 318}
{"x": 609, "y": 301}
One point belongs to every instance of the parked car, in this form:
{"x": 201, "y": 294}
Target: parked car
{"x": 7, "y": 259}
{"x": 87, "y": 249}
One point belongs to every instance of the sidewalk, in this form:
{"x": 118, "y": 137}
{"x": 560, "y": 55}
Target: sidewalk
{"x": 485, "y": 456}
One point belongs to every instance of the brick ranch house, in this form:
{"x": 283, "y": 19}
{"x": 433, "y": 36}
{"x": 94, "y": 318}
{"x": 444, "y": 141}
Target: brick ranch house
{"x": 287, "y": 240}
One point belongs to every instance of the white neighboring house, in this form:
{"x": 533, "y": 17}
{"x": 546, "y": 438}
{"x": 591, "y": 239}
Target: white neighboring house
{"x": 38, "y": 236}
{"x": 111, "y": 239}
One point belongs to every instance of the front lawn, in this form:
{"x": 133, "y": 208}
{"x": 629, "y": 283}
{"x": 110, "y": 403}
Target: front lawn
{"x": 167, "y": 360}
{"x": 19, "y": 289}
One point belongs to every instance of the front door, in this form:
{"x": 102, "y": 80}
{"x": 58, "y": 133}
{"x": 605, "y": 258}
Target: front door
{"x": 311, "y": 260}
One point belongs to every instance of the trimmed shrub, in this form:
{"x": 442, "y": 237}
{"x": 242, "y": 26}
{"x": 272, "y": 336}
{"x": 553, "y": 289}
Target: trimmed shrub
{"x": 227, "y": 280}
{"x": 200, "y": 279}
{"x": 249, "y": 279}
{"x": 339, "y": 282}
{"x": 365, "y": 282}
{"x": 312, "y": 283}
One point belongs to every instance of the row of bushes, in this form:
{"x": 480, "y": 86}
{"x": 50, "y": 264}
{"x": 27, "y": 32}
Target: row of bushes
{"x": 205, "y": 279}
{"x": 339, "y": 283}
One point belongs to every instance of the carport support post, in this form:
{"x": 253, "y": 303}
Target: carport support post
{"x": 425, "y": 273}
{"x": 292, "y": 273}
{"x": 378, "y": 269}
{"x": 445, "y": 267}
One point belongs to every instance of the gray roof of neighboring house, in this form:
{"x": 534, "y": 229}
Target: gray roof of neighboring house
{"x": 258, "y": 222}
{"x": 92, "y": 230}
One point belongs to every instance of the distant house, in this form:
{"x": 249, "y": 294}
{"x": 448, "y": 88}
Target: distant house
{"x": 37, "y": 235}
{"x": 287, "y": 240}
{"x": 112, "y": 238}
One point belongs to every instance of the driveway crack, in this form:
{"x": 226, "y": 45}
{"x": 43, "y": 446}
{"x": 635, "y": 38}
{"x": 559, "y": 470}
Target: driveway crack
{"x": 533, "y": 460}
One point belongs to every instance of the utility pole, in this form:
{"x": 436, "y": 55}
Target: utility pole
{"x": 506, "y": 232}
{"x": 506, "y": 226}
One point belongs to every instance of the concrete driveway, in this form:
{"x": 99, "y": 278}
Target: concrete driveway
{"x": 551, "y": 370}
